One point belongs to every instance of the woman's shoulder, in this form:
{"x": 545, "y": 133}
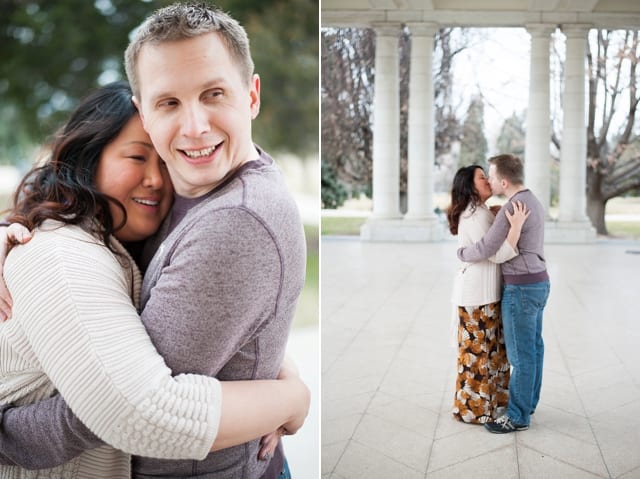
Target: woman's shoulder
{"x": 58, "y": 250}
{"x": 55, "y": 231}
{"x": 55, "y": 239}
{"x": 473, "y": 224}
{"x": 475, "y": 213}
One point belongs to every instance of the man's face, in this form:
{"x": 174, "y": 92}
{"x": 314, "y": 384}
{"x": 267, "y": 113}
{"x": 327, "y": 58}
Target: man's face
{"x": 497, "y": 186}
{"x": 197, "y": 110}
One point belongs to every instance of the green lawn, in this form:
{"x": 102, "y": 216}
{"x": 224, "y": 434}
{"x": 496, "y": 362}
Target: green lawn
{"x": 307, "y": 313}
{"x": 342, "y": 225}
{"x": 624, "y": 229}
{"x": 350, "y": 226}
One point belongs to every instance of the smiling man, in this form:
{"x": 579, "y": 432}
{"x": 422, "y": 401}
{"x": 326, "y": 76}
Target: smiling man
{"x": 220, "y": 294}
{"x": 200, "y": 122}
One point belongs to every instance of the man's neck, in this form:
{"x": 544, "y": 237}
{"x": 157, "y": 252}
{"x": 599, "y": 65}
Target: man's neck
{"x": 513, "y": 189}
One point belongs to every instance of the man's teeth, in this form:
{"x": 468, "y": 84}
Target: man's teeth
{"x": 146, "y": 202}
{"x": 199, "y": 153}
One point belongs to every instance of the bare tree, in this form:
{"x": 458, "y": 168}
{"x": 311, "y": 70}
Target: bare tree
{"x": 347, "y": 98}
{"x": 613, "y": 149}
{"x": 448, "y": 127}
{"x": 348, "y": 71}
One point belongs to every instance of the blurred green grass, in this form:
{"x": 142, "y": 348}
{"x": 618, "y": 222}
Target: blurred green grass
{"x": 624, "y": 229}
{"x": 350, "y": 226}
{"x": 337, "y": 225}
{"x": 307, "y": 313}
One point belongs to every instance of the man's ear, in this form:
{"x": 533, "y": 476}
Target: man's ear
{"x": 254, "y": 94}
{"x": 136, "y": 102}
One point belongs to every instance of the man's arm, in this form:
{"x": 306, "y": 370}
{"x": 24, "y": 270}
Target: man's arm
{"x": 490, "y": 242}
{"x": 42, "y": 435}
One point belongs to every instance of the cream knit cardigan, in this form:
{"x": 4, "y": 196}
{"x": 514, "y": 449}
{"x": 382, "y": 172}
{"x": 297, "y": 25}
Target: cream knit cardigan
{"x": 75, "y": 329}
{"x": 476, "y": 284}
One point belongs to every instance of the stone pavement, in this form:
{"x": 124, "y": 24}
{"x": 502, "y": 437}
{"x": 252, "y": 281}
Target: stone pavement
{"x": 388, "y": 368}
{"x": 302, "y": 449}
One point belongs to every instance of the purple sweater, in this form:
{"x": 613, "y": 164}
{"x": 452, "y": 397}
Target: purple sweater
{"x": 219, "y": 296}
{"x": 529, "y": 266}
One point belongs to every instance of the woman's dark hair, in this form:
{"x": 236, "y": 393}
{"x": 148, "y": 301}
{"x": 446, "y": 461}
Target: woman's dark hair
{"x": 463, "y": 193}
{"x": 63, "y": 188}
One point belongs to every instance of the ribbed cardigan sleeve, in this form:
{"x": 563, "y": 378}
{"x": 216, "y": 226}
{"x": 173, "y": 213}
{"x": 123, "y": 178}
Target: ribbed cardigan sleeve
{"x": 73, "y": 318}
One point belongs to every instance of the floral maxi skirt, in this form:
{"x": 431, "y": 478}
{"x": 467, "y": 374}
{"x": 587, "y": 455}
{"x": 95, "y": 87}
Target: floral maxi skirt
{"x": 482, "y": 384}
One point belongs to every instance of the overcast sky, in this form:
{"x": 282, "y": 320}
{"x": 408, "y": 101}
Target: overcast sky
{"x": 497, "y": 64}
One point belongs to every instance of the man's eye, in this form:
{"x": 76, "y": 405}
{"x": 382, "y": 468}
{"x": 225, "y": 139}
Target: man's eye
{"x": 167, "y": 103}
{"x": 213, "y": 94}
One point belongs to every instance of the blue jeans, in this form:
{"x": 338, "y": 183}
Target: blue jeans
{"x": 522, "y": 307}
{"x": 285, "y": 474}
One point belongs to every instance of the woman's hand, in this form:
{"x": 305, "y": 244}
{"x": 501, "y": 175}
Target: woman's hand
{"x": 289, "y": 372}
{"x": 269, "y": 443}
{"x": 9, "y": 235}
{"x": 519, "y": 215}
{"x": 257, "y": 408}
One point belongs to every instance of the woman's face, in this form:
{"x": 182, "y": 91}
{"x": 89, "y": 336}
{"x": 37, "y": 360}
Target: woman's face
{"x": 131, "y": 171}
{"x": 481, "y": 184}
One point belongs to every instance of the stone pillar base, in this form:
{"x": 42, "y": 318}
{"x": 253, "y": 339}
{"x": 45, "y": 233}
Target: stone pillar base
{"x": 402, "y": 230}
{"x": 569, "y": 232}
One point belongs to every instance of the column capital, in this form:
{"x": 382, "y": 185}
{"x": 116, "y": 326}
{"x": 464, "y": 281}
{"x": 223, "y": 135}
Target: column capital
{"x": 387, "y": 29}
{"x": 540, "y": 29}
{"x": 576, "y": 30}
{"x": 423, "y": 29}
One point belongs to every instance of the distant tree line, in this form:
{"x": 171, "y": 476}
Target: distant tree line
{"x": 53, "y": 53}
{"x": 347, "y": 79}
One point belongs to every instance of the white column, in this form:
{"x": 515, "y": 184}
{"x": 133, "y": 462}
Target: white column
{"x": 572, "y": 224}
{"x": 386, "y": 123}
{"x": 537, "y": 156}
{"x": 573, "y": 156}
{"x": 421, "y": 135}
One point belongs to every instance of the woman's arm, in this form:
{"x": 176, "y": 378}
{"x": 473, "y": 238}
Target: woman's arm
{"x": 260, "y": 406}
{"x": 74, "y": 321}
{"x": 47, "y": 434}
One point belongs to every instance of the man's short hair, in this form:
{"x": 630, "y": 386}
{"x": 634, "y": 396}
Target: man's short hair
{"x": 509, "y": 167}
{"x": 180, "y": 21}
